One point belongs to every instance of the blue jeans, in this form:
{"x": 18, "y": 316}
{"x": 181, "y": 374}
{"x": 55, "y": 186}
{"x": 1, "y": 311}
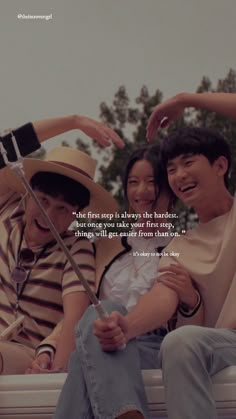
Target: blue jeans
{"x": 101, "y": 384}
{"x": 189, "y": 356}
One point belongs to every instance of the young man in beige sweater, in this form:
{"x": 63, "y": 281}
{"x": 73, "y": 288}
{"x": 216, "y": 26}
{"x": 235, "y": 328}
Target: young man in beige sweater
{"x": 197, "y": 161}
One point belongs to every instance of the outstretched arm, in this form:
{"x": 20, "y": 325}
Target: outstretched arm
{"x": 153, "y": 310}
{"x": 29, "y": 136}
{"x": 98, "y": 131}
{"x": 171, "y": 109}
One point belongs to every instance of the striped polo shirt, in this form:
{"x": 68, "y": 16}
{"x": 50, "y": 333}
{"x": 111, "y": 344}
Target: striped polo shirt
{"x": 51, "y": 276}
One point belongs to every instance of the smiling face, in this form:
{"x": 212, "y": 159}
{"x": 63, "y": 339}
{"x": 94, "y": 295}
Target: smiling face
{"x": 142, "y": 190}
{"x": 37, "y": 232}
{"x": 195, "y": 180}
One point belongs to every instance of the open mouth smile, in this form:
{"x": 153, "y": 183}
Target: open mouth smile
{"x": 41, "y": 228}
{"x": 188, "y": 187}
{"x": 143, "y": 201}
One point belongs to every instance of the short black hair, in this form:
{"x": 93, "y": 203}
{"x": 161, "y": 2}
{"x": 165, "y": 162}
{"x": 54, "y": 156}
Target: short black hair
{"x": 196, "y": 141}
{"x": 151, "y": 153}
{"x": 57, "y": 185}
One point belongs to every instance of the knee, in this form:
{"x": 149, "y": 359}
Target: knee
{"x": 180, "y": 344}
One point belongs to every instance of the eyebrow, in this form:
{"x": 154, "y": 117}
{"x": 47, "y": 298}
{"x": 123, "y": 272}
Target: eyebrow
{"x": 136, "y": 177}
{"x": 60, "y": 201}
{"x": 66, "y": 204}
{"x": 187, "y": 155}
{"x": 182, "y": 157}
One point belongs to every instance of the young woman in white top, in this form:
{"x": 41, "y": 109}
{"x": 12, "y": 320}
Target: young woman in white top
{"x": 104, "y": 379}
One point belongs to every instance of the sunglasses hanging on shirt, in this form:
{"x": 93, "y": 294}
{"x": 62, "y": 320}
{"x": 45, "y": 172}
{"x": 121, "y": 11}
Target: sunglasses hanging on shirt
{"x": 26, "y": 259}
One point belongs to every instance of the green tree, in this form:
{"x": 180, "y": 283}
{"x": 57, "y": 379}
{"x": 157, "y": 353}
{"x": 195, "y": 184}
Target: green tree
{"x": 226, "y": 126}
{"x": 130, "y": 123}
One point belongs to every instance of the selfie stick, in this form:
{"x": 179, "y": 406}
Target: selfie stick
{"x": 17, "y": 167}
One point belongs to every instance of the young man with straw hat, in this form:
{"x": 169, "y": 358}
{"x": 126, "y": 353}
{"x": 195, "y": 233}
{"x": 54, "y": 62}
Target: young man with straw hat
{"x": 37, "y": 281}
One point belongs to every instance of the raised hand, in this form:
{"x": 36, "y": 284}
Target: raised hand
{"x": 164, "y": 113}
{"x": 48, "y": 128}
{"x": 99, "y": 132}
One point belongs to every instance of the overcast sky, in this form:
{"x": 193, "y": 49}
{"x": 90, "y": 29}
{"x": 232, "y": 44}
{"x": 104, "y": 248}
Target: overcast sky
{"x": 72, "y": 62}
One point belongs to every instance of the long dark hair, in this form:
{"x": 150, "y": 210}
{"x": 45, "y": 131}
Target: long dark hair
{"x": 151, "y": 153}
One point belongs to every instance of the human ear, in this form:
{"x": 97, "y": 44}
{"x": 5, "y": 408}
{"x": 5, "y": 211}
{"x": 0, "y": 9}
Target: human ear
{"x": 221, "y": 164}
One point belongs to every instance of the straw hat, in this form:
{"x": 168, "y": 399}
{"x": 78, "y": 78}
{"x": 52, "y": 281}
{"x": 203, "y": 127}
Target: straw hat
{"x": 74, "y": 164}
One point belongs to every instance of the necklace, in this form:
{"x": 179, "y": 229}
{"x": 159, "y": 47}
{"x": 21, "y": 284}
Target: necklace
{"x": 136, "y": 268}
{"x": 20, "y": 274}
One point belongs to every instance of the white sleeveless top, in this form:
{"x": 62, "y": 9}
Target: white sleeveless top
{"x": 134, "y": 273}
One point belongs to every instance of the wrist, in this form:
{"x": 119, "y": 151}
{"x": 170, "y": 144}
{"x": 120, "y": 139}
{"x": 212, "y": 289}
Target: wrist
{"x": 46, "y": 349}
{"x": 192, "y": 301}
{"x": 185, "y": 99}
{"x": 137, "y": 326}
{"x": 130, "y": 332}
{"x": 186, "y": 310}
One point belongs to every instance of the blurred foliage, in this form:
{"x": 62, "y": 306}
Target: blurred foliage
{"x": 130, "y": 120}
{"x": 82, "y": 146}
{"x": 130, "y": 123}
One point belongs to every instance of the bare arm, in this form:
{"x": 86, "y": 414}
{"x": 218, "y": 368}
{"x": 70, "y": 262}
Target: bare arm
{"x": 62, "y": 338}
{"x": 98, "y": 131}
{"x": 222, "y": 103}
{"x": 172, "y": 109}
{"x": 74, "y": 305}
{"x": 48, "y": 128}
{"x": 153, "y": 310}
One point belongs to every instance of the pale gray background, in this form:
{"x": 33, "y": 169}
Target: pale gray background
{"x": 79, "y": 58}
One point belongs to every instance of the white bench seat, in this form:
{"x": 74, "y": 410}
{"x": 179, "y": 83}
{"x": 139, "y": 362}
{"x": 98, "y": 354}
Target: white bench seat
{"x": 35, "y": 396}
